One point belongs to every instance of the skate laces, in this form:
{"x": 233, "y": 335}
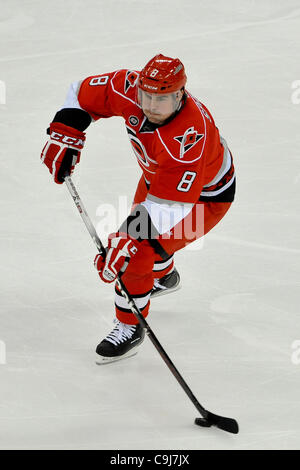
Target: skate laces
{"x": 158, "y": 285}
{"x": 120, "y": 333}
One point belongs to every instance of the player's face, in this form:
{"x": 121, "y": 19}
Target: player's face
{"x": 158, "y": 107}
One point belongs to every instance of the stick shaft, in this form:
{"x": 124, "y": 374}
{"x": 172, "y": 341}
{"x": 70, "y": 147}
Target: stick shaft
{"x": 84, "y": 215}
{"x": 135, "y": 310}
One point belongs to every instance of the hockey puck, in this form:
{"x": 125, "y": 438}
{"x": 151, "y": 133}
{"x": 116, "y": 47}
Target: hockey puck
{"x": 202, "y": 422}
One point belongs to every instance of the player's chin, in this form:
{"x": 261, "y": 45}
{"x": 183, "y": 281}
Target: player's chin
{"x": 156, "y": 119}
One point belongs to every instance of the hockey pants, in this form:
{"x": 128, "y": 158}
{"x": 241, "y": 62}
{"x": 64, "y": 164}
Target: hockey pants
{"x": 147, "y": 264}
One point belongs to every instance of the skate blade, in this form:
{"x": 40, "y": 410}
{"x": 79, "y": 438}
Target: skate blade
{"x": 101, "y": 360}
{"x": 165, "y": 292}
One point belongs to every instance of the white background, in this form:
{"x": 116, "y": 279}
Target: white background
{"x": 230, "y": 328}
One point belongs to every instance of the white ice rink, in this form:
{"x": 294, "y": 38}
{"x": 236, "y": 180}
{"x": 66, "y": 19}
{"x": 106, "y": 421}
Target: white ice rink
{"x": 233, "y": 329}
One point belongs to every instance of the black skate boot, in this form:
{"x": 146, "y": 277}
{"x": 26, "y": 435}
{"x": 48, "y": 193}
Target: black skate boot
{"x": 169, "y": 283}
{"x": 122, "y": 342}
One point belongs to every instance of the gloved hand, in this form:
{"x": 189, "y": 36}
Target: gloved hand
{"x": 62, "y": 151}
{"x": 121, "y": 248}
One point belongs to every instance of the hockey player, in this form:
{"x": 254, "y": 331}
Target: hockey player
{"x": 187, "y": 170}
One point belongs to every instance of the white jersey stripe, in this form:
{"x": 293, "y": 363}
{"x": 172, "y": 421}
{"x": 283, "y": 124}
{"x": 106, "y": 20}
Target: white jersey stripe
{"x": 71, "y": 100}
{"x": 141, "y": 302}
{"x": 162, "y": 266}
{"x": 165, "y": 216}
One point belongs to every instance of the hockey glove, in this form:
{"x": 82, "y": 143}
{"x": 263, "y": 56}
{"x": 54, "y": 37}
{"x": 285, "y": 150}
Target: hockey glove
{"x": 121, "y": 248}
{"x": 62, "y": 151}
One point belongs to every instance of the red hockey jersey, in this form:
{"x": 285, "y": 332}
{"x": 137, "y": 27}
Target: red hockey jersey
{"x": 183, "y": 160}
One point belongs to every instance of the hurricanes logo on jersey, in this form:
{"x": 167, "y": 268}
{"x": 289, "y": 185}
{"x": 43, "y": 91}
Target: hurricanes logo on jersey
{"x": 130, "y": 80}
{"x": 140, "y": 151}
{"x": 144, "y": 160}
{"x": 188, "y": 140}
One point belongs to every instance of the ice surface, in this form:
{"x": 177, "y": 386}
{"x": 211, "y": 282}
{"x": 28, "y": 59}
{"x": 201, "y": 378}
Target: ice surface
{"x": 231, "y": 327}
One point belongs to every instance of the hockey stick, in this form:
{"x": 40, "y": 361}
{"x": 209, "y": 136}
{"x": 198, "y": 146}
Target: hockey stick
{"x": 208, "y": 419}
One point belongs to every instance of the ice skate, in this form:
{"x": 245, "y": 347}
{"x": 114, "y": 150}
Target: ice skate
{"x": 167, "y": 284}
{"x": 123, "y": 341}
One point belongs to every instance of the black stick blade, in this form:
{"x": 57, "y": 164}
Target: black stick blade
{"x": 226, "y": 424}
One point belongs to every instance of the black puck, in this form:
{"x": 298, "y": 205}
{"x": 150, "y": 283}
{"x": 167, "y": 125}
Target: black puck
{"x": 202, "y": 422}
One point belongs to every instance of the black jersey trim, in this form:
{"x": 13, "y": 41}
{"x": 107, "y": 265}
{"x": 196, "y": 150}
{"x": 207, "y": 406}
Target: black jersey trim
{"x": 226, "y": 196}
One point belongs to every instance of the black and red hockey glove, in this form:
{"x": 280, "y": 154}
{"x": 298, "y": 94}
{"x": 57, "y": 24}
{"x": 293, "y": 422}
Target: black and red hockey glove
{"x": 62, "y": 151}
